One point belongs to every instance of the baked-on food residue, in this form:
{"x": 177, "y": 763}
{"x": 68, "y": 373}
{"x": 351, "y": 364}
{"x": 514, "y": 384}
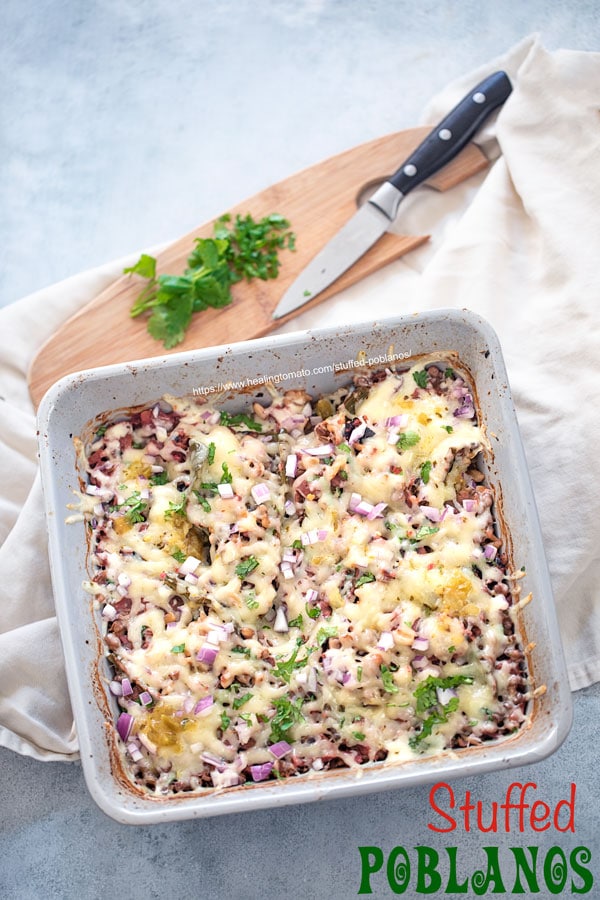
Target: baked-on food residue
{"x": 310, "y": 584}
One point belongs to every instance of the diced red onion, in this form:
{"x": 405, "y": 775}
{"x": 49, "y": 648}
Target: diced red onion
{"x": 260, "y": 492}
{"x": 157, "y": 469}
{"x": 115, "y": 688}
{"x": 279, "y": 749}
{"x": 216, "y": 634}
{"x": 289, "y": 508}
{"x": 466, "y": 411}
{"x": 433, "y": 514}
{"x": 134, "y": 752}
{"x": 215, "y": 761}
{"x": 124, "y": 725}
{"x": 421, "y": 644}
{"x": 311, "y": 595}
{"x": 190, "y": 578}
{"x": 469, "y": 505}
{"x": 126, "y": 687}
{"x": 419, "y": 662}
{"x": 286, "y": 570}
{"x": 207, "y": 654}
{"x": 311, "y": 682}
{"x": 357, "y": 433}
{"x": 225, "y": 491}
{"x": 109, "y": 612}
{"x": 145, "y": 698}
{"x": 188, "y": 705}
{"x": 377, "y": 511}
{"x": 147, "y": 743}
{"x": 317, "y": 765}
{"x": 346, "y": 676}
{"x": 321, "y": 450}
{"x": 363, "y": 508}
{"x": 189, "y": 566}
{"x": 144, "y": 494}
{"x": 261, "y": 772}
{"x": 386, "y": 640}
{"x": 392, "y": 436}
{"x": 124, "y": 579}
{"x": 490, "y": 551}
{"x": 98, "y": 510}
{"x": 310, "y": 537}
{"x": 445, "y": 695}
{"x": 399, "y": 421}
{"x": 203, "y": 706}
{"x": 281, "y": 624}
{"x": 354, "y": 501}
{"x": 322, "y": 534}
{"x": 121, "y": 591}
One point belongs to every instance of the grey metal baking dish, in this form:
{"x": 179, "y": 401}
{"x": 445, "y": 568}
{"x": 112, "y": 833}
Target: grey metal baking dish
{"x": 66, "y": 411}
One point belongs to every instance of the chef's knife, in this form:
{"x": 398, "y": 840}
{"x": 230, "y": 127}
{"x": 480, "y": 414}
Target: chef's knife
{"x": 376, "y": 216}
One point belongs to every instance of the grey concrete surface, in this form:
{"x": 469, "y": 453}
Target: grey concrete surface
{"x": 123, "y": 124}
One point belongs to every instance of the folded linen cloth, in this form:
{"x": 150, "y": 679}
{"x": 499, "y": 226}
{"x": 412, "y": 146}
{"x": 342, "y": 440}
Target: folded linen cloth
{"x": 518, "y": 244}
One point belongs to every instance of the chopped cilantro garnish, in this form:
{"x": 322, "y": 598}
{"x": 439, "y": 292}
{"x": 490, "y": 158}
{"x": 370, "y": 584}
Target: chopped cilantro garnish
{"x": 426, "y": 471}
{"x": 346, "y": 448}
{"x": 178, "y": 648}
{"x": 358, "y": 735}
{"x": 176, "y": 509}
{"x": 211, "y": 453}
{"x": 449, "y": 373}
{"x": 225, "y": 721}
{"x": 251, "y": 601}
{"x": 159, "y": 478}
{"x": 327, "y": 631}
{"x": 388, "y": 681}
{"x": 227, "y": 477}
{"x": 296, "y": 623}
{"x": 240, "y": 419}
{"x": 448, "y": 428}
{"x": 245, "y": 651}
{"x": 135, "y": 508}
{"x": 100, "y": 432}
{"x": 313, "y": 612}
{"x": 179, "y": 555}
{"x": 365, "y": 579}
{"x": 246, "y": 566}
{"x": 407, "y": 439}
{"x": 240, "y": 701}
{"x": 424, "y": 531}
{"x": 287, "y": 713}
{"x": 421, "y": 378}
{"x": 284, "y": 668}
{"x": 297, "y": 545}
{"x": 428, "y": 702}
{"x": 359, "y": 671}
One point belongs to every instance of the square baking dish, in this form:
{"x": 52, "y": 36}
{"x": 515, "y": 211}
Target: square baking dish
{"x": 319, "y": 361}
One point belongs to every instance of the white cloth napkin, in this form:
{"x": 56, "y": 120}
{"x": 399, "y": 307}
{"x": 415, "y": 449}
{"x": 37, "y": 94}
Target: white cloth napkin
{"x": 518, "y": 244}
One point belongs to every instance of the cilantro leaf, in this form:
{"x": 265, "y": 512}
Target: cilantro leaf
{"x": 159, "y": 478}
{"x": 408, "y": 439}
{"x": 145, "y": 266}
{"x": 326, "y": 632}
{"x": 248, "y": 250}
{"x": 246, "y": 566}
{"x": 284, "y": 669}
{"x": 365, "y": 579}
{"x": 176, "y": 509}
{"x": 388, "y": 681}
{"x": 178, "y": 555}
{"x": 426, "y": 471}
{"x": 421, "y": 378}
{"x": 239, "y": 419}
{"x": 287, "y": 714}
{"x": 239, "y": 701}
{"x": 211, "y": 453}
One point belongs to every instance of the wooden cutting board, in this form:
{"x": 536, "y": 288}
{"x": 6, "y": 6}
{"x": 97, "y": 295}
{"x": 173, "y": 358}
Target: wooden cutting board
{"x": 317, "y": 201}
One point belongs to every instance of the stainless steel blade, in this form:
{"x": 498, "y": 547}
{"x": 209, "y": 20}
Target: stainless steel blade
{"x": 350, "y": 243}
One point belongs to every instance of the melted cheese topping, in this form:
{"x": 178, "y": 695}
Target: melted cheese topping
{"x": 325, "y": 589}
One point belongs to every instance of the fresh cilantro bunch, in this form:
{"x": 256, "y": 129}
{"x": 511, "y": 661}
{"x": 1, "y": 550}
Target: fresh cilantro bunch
{"x": 249, "y": 249}
{"x": 429, "y": 707}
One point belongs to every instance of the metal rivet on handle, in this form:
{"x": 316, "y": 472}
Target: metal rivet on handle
{"x": 479, "y": 97}
{"x": 445, "y": 134}
{"x": 410, "y": 169}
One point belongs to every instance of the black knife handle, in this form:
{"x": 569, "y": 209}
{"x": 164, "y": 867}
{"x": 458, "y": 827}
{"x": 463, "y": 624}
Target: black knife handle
{"x": 454, "y": 131}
